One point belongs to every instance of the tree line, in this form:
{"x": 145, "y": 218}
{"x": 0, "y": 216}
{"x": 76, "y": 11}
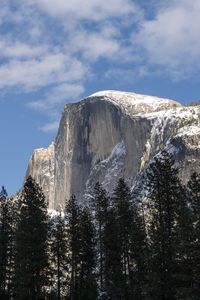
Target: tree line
{"x": 116, "y": 248}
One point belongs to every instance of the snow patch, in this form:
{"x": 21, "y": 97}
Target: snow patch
{"x": 136, "y": 104}
{"x": 108, "y": 169}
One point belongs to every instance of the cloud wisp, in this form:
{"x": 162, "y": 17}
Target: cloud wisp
{"x": 172, "y": 38}
{"x": 55, "y": 46}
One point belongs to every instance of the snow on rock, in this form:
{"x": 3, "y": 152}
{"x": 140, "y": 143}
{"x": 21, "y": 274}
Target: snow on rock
{"x": 113, "y": 134}
{"x": 108, "y": 169}
{"x": 53, "y": 214}
{"x": 134, "y": 104}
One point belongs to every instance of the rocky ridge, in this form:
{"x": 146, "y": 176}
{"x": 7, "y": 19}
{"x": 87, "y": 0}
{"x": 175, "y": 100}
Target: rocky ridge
{"x": 114, "y": 134}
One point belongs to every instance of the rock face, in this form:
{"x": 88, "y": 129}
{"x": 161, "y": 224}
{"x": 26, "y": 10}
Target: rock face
{"x": 110, "y": 135}
{"x": 41, "y": 167}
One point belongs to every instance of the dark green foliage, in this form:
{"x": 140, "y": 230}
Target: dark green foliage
{"x": 87, "y": 277}
{"x": 124, "y": 215}
{"x": 125, "y": 250}
{"x": 194, "y": 200}
{"x": 58, "y": 256}
{"x": 132, "y": 245}
{"x": 114, "y": 284}
{"x": 72, "y": 212}
{"x": 183, "y": 248}
{"x": 31, "y": 244}
{"x": 4, "y": 244}
{"x": 124, "y": 219}
{"x": 3, "y": 194}
{"x": 168, "y": 210}
{"x": 7, "y": 230}
{"x": 100, "y": 204}
{"x": 164, "y": 188}
{"x": 81, "y": 252}
{"x": 139, "y": 257}
{"x": 194, "y": 194}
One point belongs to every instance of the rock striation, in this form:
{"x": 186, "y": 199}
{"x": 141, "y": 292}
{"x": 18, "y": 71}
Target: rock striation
{"x": 114, "y": 134}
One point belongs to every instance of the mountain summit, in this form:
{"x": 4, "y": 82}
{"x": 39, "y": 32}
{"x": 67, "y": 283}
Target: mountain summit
{"x": 133, "y": 103}
{"x": 113, "y": 134}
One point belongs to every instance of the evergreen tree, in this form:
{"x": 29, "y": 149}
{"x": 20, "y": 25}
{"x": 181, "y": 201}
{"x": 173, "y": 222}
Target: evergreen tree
{"x": 4, "y": 237}
{"x": 8, "y": 213}
{"x": 31, "y": 244}
{"x": 194, "y": 201}
{"x": 81, "y": 252}
{"x": 4, "y": 243}
{"x": 87, "y": 278}
{"x": 72, "y": 215}
{"x": 115, "y": 285}
{"x": 124, "y": 215}
{"x": 165, "y": 198}
{"x": 139, "y": 256}
{"x": 184, "y": 249}
{"x": 58, "y": 255}
{"x": 3, "y": 194}
{"x": 131, "y": 251}
{"x": 100, "y": 203}
{"x": 13, "y": 219}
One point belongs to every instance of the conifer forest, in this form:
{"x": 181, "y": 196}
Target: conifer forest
{"x": 118, "y": 245}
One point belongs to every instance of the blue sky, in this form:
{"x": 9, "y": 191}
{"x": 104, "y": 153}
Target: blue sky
{"x": 55, "y": 52}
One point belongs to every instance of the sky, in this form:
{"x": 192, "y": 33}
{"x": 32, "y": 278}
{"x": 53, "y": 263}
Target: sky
{"x": 54, "y": 52}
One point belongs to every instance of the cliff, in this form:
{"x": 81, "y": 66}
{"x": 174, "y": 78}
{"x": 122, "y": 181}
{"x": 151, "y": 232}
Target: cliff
{"x": 114, "y": 134}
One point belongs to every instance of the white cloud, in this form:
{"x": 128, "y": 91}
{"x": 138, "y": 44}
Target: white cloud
{"x": 66, "y": 91}
{"x": 58, "y": 95}
{"x": 39, "y": 52}
{"x": 88, "y": 9}
{"x": 57, "y": 45}
{"x": 12, "y": 49}
{"x": 35, "y": 73}
{"x": 93, "y": 45}
{"x": 58, "y": 50}
{"x": 60, "y": 57}
{"x": 172, "y": 38}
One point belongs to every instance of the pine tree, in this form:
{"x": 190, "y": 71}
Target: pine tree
{"x": 3, "y": 194}
{"x": 100, "y": 204}
{"x": 115, "y": 285}
{"x": 8, "y": 213}
{"x": 72, "y": 215}
{"x": 139, "y": 256}
{"x": 165, "y": 197}
{"x": 13, "y": 218}
{"x": 87, "y": 287}
{"x": 58, "y": 255}
{"x": 184, "y": 249}
{"x": 31, "y": 244}
{"x": 132, "y": 245}
{"x": 81, "y": 252}
{"x": 194, "y": 201}
{"x": 124, "y": 215}
{"x": 4, "y": 242}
